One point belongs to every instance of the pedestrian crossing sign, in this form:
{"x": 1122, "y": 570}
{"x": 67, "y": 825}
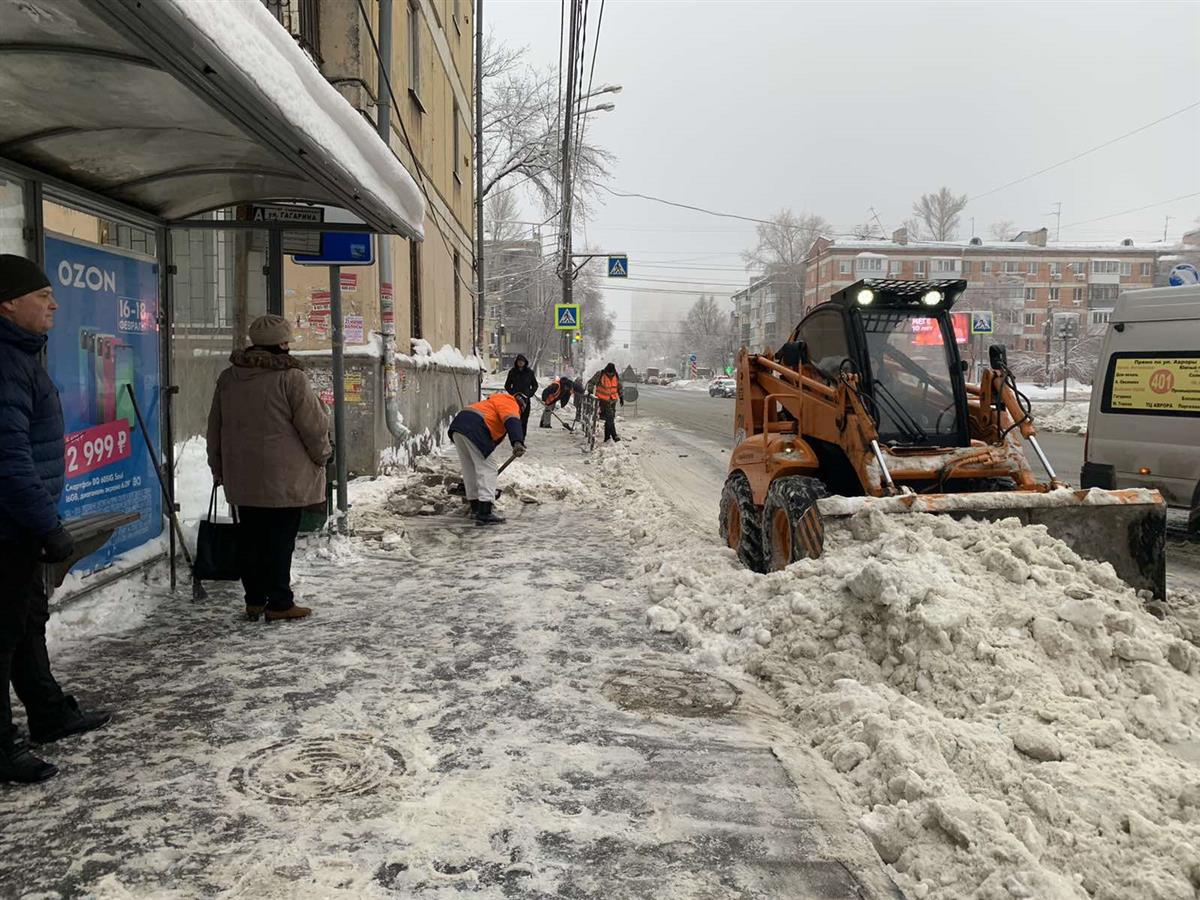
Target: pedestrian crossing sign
{"x": 566, "y": 316}
{"x": 618, "y": 267}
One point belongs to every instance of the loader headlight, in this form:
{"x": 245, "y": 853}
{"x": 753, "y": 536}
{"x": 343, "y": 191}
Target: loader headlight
{"x": 866, "y": 297}
{"x": 932, "y": 298}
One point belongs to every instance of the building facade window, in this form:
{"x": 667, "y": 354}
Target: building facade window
{"x": 1055, "y": 268}
{"x": 966, "y": 267}
{"x": 845, "y": 267}
{"x": 1054, "y": 294}
{"x": 919, "y": 267}
{"x": 1102, "y": 293}
{"x": 1078, "y": 268}
{"x": 414, "y": 293}
{"x": 1147, "y": 270}
{"x": 1029, "y": 345}
{"x": 414, "y": 50}
{"x": 1076, "y": 295}
{"x": 1105, "y": 266}
{"x": 869, "y": 264}
{"x": 1100, "y": 316}
{"x": 1030, "y": 294}
{"x": 1126, "y": 268}
{"x": 945, "y": 265}
{"x": 986, "y": 267}
{"x": 457, "y": 146}
{"x": 1011, "y": 267}
{"x": 895, "y": 267}
{"x": 1030, "y": 318}
{"x": 1032, "y": 268}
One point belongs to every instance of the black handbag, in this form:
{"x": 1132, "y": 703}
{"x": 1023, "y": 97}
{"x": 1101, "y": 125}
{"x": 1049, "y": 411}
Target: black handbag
{"x": 217, "y": 547}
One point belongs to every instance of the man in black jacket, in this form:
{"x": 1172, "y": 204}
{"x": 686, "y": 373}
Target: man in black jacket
{"x": 31, "y": 534}
{"x": 521, "y": 380}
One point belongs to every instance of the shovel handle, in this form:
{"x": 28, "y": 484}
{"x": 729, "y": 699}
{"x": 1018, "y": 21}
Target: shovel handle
{"x": 506, "y": 464}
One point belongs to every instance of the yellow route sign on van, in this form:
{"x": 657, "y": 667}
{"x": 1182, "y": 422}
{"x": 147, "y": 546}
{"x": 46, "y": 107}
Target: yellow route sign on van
{"x": 1155, "y": 384}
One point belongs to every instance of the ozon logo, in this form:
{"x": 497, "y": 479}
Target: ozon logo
{"x": 1162, "y": 381}
{"x": 88, "y": 277}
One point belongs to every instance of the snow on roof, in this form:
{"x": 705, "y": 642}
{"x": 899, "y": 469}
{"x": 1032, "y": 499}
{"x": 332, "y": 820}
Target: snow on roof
{"x": 958, "y": 247}
{"x": 246, "y": 34}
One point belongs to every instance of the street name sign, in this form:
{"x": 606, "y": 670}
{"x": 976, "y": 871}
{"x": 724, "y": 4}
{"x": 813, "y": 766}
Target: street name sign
{"x": 618, "y": 266}
{"x": 342, "y": 248}
{"x": 566, "y": 316}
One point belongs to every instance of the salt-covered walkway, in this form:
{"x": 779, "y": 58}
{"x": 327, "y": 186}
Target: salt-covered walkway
{"x": 469, "y": 711}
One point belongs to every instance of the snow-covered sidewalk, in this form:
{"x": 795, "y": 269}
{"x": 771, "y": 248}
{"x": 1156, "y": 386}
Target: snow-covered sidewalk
{"x": 469, "y": 710}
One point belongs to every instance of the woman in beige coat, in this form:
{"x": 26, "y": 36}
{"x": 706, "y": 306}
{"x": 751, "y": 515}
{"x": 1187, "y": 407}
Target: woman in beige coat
{"x": 268, "y": 443}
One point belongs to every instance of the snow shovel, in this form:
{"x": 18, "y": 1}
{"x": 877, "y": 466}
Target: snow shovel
{"x": 198, "y": 592}
{"x": 550, "y": 409}
{"x": 460, "y": 489}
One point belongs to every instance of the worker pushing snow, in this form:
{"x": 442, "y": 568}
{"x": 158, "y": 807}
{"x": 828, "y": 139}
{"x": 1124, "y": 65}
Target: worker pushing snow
{"x": 558, "y": 391}
{"x": 606, "y": 386}
{"x": 477, "y": 431}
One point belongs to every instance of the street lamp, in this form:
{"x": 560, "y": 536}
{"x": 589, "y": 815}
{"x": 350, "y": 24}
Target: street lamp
{"x": 606, "y": 89}
{"x": 599, "y": 107}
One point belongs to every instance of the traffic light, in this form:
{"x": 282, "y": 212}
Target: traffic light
{"x": 578, "y": 336}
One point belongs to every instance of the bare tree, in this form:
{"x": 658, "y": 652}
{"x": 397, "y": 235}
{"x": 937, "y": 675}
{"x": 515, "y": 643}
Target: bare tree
{"x": 523, "y": 131}
{"x": 781, "y": 249}
{"x": 864, "y": 231}
{"x": 939, "y": 213}
{"x": 707, "y": 332}
{"x": 1002, "y": 230}
{"x": 500, "y": 212}
{"x": 914, "y": 227}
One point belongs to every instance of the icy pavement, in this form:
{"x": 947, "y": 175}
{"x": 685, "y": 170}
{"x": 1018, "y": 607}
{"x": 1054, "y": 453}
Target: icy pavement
{"x": 470, "y": 710}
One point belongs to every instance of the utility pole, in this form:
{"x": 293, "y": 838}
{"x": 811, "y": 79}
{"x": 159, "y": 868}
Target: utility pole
{"x": 1166, "y": 224}
{"x": 565, "y": 266}
{"x": 1057, "y": 221}
{"x": 479, "y": 275}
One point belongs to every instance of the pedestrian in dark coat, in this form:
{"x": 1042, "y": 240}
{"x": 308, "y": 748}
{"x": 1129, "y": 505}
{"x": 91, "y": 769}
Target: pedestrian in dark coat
{"x": 521, "y": 380}
{"x": 268, "y": 443}
{"x": 31, "y": 533}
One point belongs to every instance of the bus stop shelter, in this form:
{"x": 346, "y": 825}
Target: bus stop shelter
{"x": 154, "y": 116}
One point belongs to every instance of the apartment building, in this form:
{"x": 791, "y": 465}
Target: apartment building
{"x": 765, "y": 312}
{"x": 431, "y": 75}
{"x": 1027, "y": 282}
{"x": 520, "y": 291}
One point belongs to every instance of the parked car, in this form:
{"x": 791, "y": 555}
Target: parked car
{"x": 723, "y": 386}
{"x": 1144, "y": 420}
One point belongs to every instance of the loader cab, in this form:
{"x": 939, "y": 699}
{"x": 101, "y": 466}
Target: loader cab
{"x": 899, "y": 338}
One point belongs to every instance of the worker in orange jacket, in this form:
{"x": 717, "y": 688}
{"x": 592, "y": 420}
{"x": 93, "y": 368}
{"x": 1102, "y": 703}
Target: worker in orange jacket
{"x": 476, "y": 432}
{"x": 605, "y": 385}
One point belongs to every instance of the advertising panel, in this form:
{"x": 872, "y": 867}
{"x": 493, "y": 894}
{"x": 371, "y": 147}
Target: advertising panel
{"x": 1153, "y": 384}
{"x": 105, "y": 337}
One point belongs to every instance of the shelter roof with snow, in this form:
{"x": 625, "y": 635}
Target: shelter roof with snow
{"x": 176, "y": 108}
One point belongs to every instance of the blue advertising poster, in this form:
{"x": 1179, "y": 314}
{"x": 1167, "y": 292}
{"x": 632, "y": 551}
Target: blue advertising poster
{"x": 105, "y": 337}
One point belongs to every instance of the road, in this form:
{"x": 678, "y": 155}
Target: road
{"x": 703, "y": 427}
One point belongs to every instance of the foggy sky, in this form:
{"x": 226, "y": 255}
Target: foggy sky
{"x": 833, "y": 108}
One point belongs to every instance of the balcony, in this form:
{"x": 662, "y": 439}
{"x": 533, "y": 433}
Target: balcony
{"x": 302, "y": 19}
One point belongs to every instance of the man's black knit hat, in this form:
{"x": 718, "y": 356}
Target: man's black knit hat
{"x": 19, "y": 276}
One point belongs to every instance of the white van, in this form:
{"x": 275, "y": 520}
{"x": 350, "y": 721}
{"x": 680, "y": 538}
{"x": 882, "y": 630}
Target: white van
{"x": 1144, "y": 420}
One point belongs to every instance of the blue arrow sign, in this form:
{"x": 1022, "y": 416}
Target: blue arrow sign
{"x": 566, "y": 316}
{"x": 618, "y": 267}
{"x": 342, "y": 248}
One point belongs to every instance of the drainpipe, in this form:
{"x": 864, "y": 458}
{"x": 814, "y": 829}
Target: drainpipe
{"x": 387, "y": 303}
{"x": 479, "y": 273}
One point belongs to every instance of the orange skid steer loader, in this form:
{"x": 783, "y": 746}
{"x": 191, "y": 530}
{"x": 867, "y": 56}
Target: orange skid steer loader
{"x": 868, "y": 398}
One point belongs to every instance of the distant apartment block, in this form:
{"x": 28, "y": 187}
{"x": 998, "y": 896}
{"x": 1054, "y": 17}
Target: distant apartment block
{"x": 1025, "y": 281}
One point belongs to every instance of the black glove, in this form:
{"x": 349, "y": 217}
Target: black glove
{"x": 518, "y": 449}
{"x": 622, "y": 401}
{"x": 57, "y": 545}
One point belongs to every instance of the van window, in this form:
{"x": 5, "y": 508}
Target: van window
{"x": 1153, "y": 384}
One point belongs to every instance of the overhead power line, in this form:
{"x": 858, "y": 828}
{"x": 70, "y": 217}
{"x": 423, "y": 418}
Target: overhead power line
{"x": 700, "y": 209}
{"x": 1087, "y": 152}
{"x": 1134, "y": 210}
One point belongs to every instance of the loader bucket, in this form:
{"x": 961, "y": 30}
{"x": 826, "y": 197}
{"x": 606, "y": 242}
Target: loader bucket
{"x": 1126, "y": 528}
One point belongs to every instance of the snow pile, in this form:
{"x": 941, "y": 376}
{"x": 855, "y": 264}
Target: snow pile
{"x": 689, "y": 384}
{"x": 1000, "y": 709}
{"x": 1071, "y": 417}
{"x": 424, "y": 357}
{"x": 1075, "y": 389}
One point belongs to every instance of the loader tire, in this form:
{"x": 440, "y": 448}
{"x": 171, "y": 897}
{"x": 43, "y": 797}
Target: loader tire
{"x": 740, "y": 519}
{"x": 791, "y": 522}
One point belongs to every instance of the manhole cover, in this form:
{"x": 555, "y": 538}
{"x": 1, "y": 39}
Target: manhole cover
{"x": 673, "y": 691}
{"x": 306, "y": 770}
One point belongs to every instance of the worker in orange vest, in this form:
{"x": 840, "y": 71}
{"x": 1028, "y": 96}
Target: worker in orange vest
{"x": 476, "y": 432}
{"x": 605, "y": 385}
